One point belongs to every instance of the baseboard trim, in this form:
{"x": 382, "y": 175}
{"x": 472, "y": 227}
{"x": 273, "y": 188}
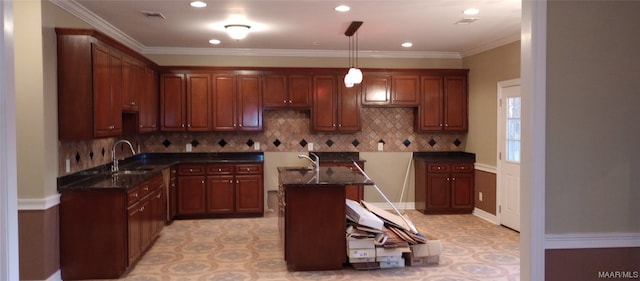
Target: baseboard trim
{"x": 485, "y": 168}
{"x": 56, "y": 276}
{"x": 485, "y": 215}
{"x": 38, "y": 204}
{"x": 592, "y": 240}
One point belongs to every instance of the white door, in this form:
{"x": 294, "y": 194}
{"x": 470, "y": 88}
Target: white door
{"x": 508, "y": 175}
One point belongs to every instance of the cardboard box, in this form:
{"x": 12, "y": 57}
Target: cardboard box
{"x": 410, "y": 260}
{"x": 360, "y": 243}
{"x": 361, "y": 260}
{"x": 392, "y": 264}
{"x": 362, "y": 216}
{"x": 383, "y": 252}
{"x": 424, "y": 254}
{"x": 361, "y": 253}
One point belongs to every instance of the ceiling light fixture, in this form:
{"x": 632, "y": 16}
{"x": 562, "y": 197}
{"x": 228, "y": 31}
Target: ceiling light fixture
{"x": 198, "y": 4}
{"x": 470, "y": 12}
{"x": 407, "y": 44}
{"x": 214, "y": 42}
{"x": 237, "y": 31}
{"x": 354, "y": 75}
{"x": 342, "y": 8}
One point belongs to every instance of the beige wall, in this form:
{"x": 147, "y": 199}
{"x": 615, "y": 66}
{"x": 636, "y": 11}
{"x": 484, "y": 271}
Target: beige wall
{"x": 485, "y": 71}
{"x": 593, "y": 125}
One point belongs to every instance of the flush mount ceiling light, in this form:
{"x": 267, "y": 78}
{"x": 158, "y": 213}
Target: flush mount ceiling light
{"x": 214, "y": 42}
{"x": 342, "y": 8}
{"x": 354, "y": 75}
{"x": 407, "y": 44}
{"x": 237, "y": 31}
{"x": 198, "y": 4}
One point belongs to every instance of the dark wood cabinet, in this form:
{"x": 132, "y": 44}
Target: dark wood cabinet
{"x": 444, "y": 104}
{"x": 335, "y": 107}
{"x": 221, "y": 190}
{"x": 287, "y": 91}
{"x": 444, "y": 187}
{"x": 149, "y": 102}
{"x": 388, "y": 89}
{"x": 173, "y": 194}
{"x": 186, "y": 102}
{"x": 376, "y": 89}
{"x": 103, "y": 232}
{"x": 132, "y": 84}
{"x": 107, "y": 91}
{"x": 237, "y": 102}
{"x": 405, "y": 90}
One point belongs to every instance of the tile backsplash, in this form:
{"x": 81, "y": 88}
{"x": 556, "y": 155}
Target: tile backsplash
{"x": 284, "y": 130}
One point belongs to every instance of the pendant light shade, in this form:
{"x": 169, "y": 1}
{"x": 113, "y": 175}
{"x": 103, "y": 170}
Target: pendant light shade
{"x": 237, "y": 31}
{"x": 354, "y": 75}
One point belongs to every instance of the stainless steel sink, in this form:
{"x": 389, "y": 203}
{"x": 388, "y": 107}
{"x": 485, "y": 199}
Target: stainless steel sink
{"x": 132, "y": 172}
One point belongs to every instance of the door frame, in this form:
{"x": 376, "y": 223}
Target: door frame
{"x": 499, "y": 145}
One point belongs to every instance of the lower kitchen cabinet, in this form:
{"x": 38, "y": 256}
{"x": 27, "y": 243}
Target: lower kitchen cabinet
{"x": 220, "y": 190}
{"x": 105, "y": 231}
{"x": 444, "y": 187}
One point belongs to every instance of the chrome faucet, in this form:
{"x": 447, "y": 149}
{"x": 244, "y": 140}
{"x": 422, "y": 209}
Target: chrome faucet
{"x": 315, "y": 163}
{"x": 114, "y": 167}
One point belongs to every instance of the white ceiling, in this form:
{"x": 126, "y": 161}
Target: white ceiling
{"x": 286, "y": 27}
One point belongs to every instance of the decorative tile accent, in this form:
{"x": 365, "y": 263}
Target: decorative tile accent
{"x": 250, "y": 143}
{"x": 91, "y": 155}
{"x": 303, "y": 143}
{"x": 103, "y": 152}
{"x": 406, "y": 143}
{"x": 77, "y": 157}
{"x": 277, "y": 142}
{"x": 166, "y": 143}
{"x": 355, "y": 143}
{"x": 222, "y": 143}
{"x": 457, "y": 142}
{"x": 329, "y": 142}
{"x": 195, "y": 143}
{"x": 432, "y": 142}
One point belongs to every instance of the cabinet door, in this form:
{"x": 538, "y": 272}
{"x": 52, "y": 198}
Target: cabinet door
{"x": 191, "y": 195}
{"x": 220, "y": 194}
{"x": 148, "y": 102}
{"x": 224, "y": 102}
{"x": 131, "y": 81}
{"x": 430, "y": 110}
{"x": 135, "y": 218}
{"x": 172, "y": 102}
{"x": 198, "y": 102}
{"x": 299, "y": 91}
{"x": 438, "y": 191}
{"x": 249, "y": 194}
{"x": 173, "y": 194}
{"x": 107, "y": 78}
{"x": 275, "y": 91}
{"x": 146, "y": 224}
{"x": 406, "y": 90}
{"x": 462, "y": 194}
{"x": 349, "y": 109}
{"x": 249, "y": 103}
{"x": 323, "y": 116}
{"x": 455, "y": 103}
{"x": 158, "y": 208}
{"x": 376, "y": 89}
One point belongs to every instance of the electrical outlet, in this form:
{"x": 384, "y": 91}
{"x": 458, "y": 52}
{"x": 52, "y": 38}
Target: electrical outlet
{"x": 189, "y": 147}
{"x": 310, "y": 146}
{"x": 67, "y": 164}
{"x": 480, "y": 196}
{"x": 256, "y": 146}
{"x": 380, "y": 146}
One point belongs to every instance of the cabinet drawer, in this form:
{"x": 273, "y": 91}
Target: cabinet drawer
{"x": 133, "y": 195}
{"x": 462, "y": 167}
{"x": 438, "y": 167}
{"x": 191, "y": 169}
{"x": 219, "y": 169}
{"x": 249, "y": 169}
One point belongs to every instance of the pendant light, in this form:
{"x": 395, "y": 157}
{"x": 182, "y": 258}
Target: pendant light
{"x": 354, "y": 74}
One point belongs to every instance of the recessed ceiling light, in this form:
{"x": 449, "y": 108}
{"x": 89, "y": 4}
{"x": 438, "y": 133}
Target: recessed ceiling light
{"x": 214, "y": 41}
{"x": 342, "y": 8}
{"x": 198, "y": 4}
{"x": 472, "y": 11}
{"x": 407, "y": 44}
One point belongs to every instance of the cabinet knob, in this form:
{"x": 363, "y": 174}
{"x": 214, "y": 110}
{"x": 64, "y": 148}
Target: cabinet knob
{"x": 290, "y": 101}
{"x": 219, "y": 169}
{"x": 190, "y": 170}
{"x": 140, "y": 126}
{"x": 284, "y": 101}
{"x": 202, "y": 182}
{"x": 446, "y": 125}
{"x": 230, "y": 181}
{"x": 146, "y": 188}
{"x": 182, "y": 125}
{"x": 237, "y": 181}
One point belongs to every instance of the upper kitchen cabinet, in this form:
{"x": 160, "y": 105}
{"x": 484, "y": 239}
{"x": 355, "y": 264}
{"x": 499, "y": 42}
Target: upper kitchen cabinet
{"x": 94, "y": 74}
{"x": 444, "y": 104}
{"x": 336, "y": 108}
{"x": 287, "y": 91}
{"x": 185, "y": 102}
{"x": 149, "y": 102}
{"x": 132, "y": 84}
{"x": 237, "y": 102}
{"x": 390, "y": 89}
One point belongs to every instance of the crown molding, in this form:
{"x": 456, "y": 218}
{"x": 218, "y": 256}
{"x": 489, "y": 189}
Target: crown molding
{"x": 98, "y": 23}
{"x": 491, "y": 45}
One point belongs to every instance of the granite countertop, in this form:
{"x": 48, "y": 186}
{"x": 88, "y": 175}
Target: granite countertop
{"x": 445, "y": 156}
{"x": 304, "y": 176}
{"x": 338, "y": 157}
{"x": 148, "y": 165}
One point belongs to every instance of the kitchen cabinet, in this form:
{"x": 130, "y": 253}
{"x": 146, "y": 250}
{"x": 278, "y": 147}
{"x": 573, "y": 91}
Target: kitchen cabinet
{"x": 444, "y": 187}
{"x": 237, "y": 102}
{"x": 149, "y": 102}
{"x": 287, "y": 91}
{"x": 444, "y": 104}
{"x": 96, "y": 75}
{"x": 107, "y": 91}
{"x": 185, "y": 102}
{"x": 336, "y": 108}
{"x": 387, "y": 89}
{"x": 173, "y": 193}
{"x": 220, "y": 190}
{"x": 105, "y": 231}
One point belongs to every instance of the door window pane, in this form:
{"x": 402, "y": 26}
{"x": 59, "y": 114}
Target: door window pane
{"x": 513, "y": 129}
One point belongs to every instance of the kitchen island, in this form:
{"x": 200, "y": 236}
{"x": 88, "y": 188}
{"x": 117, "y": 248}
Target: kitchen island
{"x": 311, "y": 216}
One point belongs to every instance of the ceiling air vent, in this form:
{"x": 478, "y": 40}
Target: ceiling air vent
{"x": 466, "y": 20}
{"x": 151, "y": 14}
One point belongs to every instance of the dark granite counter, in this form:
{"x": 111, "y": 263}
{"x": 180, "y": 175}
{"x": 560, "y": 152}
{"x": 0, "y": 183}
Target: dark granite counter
{"x": 147, "y": 166}
{"x": 338, "y": 157}
{"x": 445, "y": 156}
{"x": 303, "y": 176}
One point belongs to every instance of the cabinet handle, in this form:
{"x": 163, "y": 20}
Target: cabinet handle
{"x": 142, "y": 209}
{"x": 219, "y": 169}
{"x": 230, "y": 181}
{"x": 154, "y": 125}
{"x": 237, "y": 181}
{"x": 202, "y": 182}
{"x": 146, "y": 188}
{"x": 190, "y": 170}
{"x": 284, "y": 101}
{"x": 140, "y": 126}
{"x": 440, "y": 124}
{"x": 159, "y": 194}
{"x": 290, "y": 101}
{"x": 448, "y": 179}
{"x": 188, "y": 125}
{"x": 182, "y": 125}
{"x": 446, "y": 125}
{"x": 135, "y": 195}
